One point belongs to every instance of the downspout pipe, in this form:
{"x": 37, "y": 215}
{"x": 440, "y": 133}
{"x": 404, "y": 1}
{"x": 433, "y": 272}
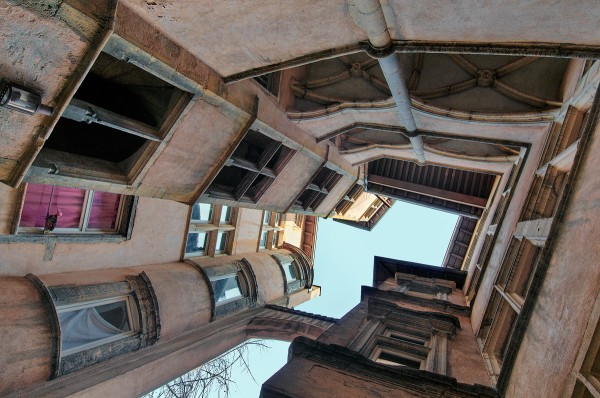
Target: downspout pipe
{"x": 368, "y": 15}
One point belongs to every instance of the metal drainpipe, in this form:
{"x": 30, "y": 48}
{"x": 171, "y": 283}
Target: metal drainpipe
{"x": 368, "y": 15}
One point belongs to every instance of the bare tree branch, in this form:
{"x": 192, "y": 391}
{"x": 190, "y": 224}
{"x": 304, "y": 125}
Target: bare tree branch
{"x": 213, "y": 377}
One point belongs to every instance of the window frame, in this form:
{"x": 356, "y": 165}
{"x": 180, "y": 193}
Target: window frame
{"x": 83, "y": 219}
{"x": 132, "y": 315}
{"x": 247, "y": 283}
{"x": 143, "y": 305}
{"x": 214, "y": 229}
{"x": 123, "y": 227}
{"x": 257, "y": 174}
{"x": 129, "y": 170}
{"x": 272, "y": 228}
{"x": 241, "y": 282}
{"x": 288, "y": 260}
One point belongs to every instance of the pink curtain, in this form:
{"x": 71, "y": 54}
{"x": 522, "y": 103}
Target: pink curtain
{"x": 37, "y": 205}
{"x": 104, "y": 212}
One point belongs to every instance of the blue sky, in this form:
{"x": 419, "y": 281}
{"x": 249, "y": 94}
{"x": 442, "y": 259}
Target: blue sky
{"x": 344, "y": 262}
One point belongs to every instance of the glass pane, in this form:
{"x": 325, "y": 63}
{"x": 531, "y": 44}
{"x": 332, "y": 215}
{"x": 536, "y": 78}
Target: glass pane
{"x": 388, "y": 358}
{"x": 290, "y": 272}
{"x": 201, "y": 212}
{"x": 263, "y": 239}
{"x": 275, "y": 237}
{"x": 88, "y": 325}
{"x": 196, "y": 243}
{"x": 277, "y": 218}
{"x": 43, "y": 200}
{"x": 266, "y": 218}
{"x": 225, "y": 214}
{"x": 104, "y": 211}
{"x": 221, "y": 241}
{"x": 35, "y": 206}
{"x": 226, "y": 288}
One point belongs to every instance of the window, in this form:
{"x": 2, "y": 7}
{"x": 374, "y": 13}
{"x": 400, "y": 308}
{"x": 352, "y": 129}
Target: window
{"x": 294, "y": 275}
{"x": 196, "y": 243}
{"x": 53, "y": 209}
{"x": 202, "y": 212}
{"x": 271, "y": 231}
{"x": 270, "y": 82}
{"x": 221, "y": 242}
{"x": 396, "y": 336}
{"x": 317, "y": 190}
{"x": 211, "y": 230}
{"x": 387, "y": 357}
{"x": 226, "y": 288}
{"x": 233, "y": 286}
{"x": 101, "y": 321}
{"x": 290, "y": 272}
{"x": 349, "y": 199}
{"x": 252, "y": 168}
{"x": 587, "y": 365}
{"x": 87, "y": 325}
{"x": 225, "y": 214}
{"x": 114, "y": 123}
{"x": 496, "y": 332}
{"x": 262, "y": 244}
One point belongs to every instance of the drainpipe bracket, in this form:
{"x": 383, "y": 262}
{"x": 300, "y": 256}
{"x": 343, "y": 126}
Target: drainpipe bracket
{"x": 411, "y": 134}
{"x": 377, "y": 52}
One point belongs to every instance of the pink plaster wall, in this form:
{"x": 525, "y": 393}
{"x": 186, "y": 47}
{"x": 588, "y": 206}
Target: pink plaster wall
{"x": 182, "y": 294}
{"x": 44, "y": 64}
{"x": 158, "y": 233}
{"x": 247, "y": 231}
{"x": 25, "y": 336}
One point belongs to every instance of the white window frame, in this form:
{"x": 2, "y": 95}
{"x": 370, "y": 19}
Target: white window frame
{"x": 132, "y": 314}
{"x": 83, "y": 220}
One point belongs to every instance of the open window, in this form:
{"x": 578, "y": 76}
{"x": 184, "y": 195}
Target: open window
{"x": 317, "y": 190}
{"x": 62, "y": 210}
{"x": 113, "y": 124}
{"x": 252, "y": 168}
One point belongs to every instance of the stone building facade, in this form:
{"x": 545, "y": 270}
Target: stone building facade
{"x": 330, "y": 109}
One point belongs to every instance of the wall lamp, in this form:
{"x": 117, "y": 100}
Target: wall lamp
{"x": 21, "y": 99}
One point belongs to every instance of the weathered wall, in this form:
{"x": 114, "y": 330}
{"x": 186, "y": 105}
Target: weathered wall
{"x": 55, "y": 47}
{"x": 247, "y": 231}
{"x": 157, "y": 237}
{"x": 317, "y": 380}
{"x": 568, "y": 292}
{"x": 181, "y": 291}
{"x": 268, "y": 273}
{"x": 25, "y": 336}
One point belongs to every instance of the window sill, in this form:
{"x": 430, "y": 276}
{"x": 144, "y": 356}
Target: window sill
{"x": 63, "y": 238}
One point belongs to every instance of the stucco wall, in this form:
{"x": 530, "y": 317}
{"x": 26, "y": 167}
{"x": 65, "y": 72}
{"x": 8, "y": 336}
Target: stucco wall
{"x": 568, "y": 292}
{"x": 25, "y": 336}
{"x": 158, "y": 233}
